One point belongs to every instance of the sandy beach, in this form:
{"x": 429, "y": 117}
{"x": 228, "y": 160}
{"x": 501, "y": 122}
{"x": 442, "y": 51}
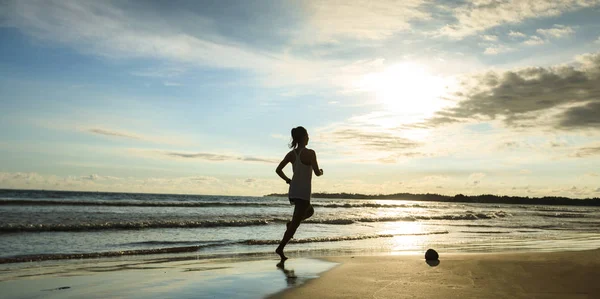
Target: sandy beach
{"x": 509, "y": 275}
{"x": 489, "y": 275}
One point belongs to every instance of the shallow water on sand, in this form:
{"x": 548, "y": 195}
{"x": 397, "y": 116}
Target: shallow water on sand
{"x": 158, "y": 278}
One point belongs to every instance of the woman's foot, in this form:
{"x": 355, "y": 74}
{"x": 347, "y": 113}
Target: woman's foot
{"x": 279, "y": 251}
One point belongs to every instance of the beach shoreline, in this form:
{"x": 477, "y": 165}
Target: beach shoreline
{"x": 563, "y": 274}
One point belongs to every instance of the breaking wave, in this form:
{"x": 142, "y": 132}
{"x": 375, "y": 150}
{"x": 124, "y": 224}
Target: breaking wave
{"x": 137, "y": 225}
{"x": 191, "y": 248}
{"x": 139, "y": 203}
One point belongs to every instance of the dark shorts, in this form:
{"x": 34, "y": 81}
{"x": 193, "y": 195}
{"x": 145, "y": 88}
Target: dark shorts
{"x": 293, "y": 200}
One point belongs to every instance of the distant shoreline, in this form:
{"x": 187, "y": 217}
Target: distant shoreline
{"x": 484, "y": 198}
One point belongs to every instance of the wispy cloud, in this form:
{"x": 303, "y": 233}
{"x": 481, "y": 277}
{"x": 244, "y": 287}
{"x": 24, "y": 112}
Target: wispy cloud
{"x": 534, "y": 41}
{"x": 489, "y": 37}
{"x": 377, "y": 141}
{"x": 497, "y": 49}
{"x": 557, "y": 31}
{"x": 362, "y": 19}
{"x": 217, "y": 157}
{"x": 516, "y": 34}
{"x": 114, "y": 134}
{"x": 160, "y": 72}
{"x": 584, "y": 152}
{"x": 115, "y": 30}
{"x": 478, "y": 16}
{"x": 369, "y": 144}
{"x": 170, "y": 139}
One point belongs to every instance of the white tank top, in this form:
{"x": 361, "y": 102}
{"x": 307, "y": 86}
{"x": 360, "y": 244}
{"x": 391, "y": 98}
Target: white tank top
{"x": 300, "y": 186}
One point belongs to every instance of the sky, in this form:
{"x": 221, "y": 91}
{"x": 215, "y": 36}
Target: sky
{"x": 473, "y": 97}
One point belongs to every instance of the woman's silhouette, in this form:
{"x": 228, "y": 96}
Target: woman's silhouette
{"x": 304, "y": 162}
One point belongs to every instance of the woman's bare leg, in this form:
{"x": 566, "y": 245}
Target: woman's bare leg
{"x": 299, "y": 212}
{"x": 309, "y": 212}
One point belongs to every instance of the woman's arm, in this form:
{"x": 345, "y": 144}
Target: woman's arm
{"x": 282, "y": 164}
{"x": 315, "y": 164}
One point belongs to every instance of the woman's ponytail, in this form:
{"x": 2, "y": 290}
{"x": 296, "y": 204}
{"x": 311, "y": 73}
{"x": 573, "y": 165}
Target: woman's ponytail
{"x": 298, "y": 135}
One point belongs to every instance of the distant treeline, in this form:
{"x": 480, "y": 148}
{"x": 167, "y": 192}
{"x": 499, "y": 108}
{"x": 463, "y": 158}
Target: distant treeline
{"x": 484, "y": 198}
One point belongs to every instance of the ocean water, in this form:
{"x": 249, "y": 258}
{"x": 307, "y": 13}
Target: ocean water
{"x": 47, "y": 225}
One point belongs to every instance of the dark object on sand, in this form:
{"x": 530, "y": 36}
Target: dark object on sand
{"x": 57, "y": 289}
{"x": 431, "y": 255}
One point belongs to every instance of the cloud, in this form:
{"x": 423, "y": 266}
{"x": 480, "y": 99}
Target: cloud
{"x": 171, "y": 139}
{"x": 217, "y": 157}
{"x": 108, "y": 30}
{"x": 119, "y": 30}
{"x": 558, "y": 31}
{"x": 564, "y": 97}
{"x": 497, "y": 49}
{"x": 373, "y": 141}
{"x": 516, "y": 34}
{"x": 534, "y": 41}
{"x": 362, "y": 19}
{"x": 489, "y": 37}
{"x": 587, "y": 151}
{"x": 160, "y": 72}
{"x": 479, "y": 15}
{"x": 510, "y": 144}
{"x": 557, "y": 144}
{"x": 113, "y": 133}
{"x": 585, "y": 116}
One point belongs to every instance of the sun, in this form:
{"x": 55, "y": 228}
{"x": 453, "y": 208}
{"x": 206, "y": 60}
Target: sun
{"x": 407, "y": 89}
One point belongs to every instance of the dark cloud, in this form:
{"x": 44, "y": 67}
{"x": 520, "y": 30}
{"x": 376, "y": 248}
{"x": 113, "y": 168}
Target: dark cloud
{"x": 586, "y": 116}
{"x": 217, "y": 157}
{"x": 520, "y": 97}
{"x": 112, "y": 133}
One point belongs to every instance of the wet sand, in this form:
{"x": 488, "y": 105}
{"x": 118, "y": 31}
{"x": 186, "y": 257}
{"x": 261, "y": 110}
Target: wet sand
{"x": 167, "y": 277}
{"x": 508, "y": 275}
{"x": 493, "y": 275}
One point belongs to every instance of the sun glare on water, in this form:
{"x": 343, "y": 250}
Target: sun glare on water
{"x": 408, "y": 90}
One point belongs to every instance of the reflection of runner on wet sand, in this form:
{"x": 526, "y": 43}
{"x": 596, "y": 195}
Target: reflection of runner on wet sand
{"x": 290, "y": 276}
{"x": 303, "y": 161}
